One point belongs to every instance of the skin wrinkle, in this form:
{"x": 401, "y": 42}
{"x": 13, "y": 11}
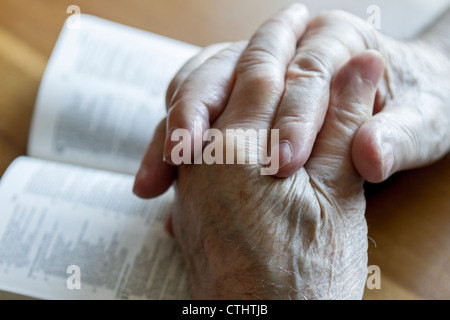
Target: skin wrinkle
{"x": 321, "y": 210}
{"x": 404, "y": 79}
{"x": 337, "y": 35}
{"x": 271, "y": 85}
{"x": 284, "y": 270}
{"x": 275, "y": 26}
{"x": 296, "y": 234}
{"x": 310, "y": 66}
{"x": 209, "y": 108}
{"x": 332, "y": 244}
{"x": 183, "y": 74}
{"x": 232, "y": 52}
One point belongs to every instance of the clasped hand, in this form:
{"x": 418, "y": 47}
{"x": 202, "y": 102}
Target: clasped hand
{"x": 338, "y": 93}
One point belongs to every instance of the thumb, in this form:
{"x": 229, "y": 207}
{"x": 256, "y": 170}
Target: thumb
{"x": 401, "y": 137}
{"x": 352, "y": 97}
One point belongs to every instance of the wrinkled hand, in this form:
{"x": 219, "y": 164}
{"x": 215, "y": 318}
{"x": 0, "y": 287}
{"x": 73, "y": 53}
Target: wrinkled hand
{"x": 244, "y": 235}
{"x": 410, "y": 128}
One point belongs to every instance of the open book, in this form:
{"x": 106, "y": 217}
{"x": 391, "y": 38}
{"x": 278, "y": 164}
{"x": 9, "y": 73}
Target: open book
{"x": 70, "y": 227}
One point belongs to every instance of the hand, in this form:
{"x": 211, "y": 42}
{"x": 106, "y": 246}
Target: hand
{"x": 244, "y": 235}
{"x": 410, "y": 128}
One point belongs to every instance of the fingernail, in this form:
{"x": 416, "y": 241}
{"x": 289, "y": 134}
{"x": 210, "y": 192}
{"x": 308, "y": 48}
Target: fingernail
{"x": 388, "y": 159}
{"x": 372, "y": 69}
{"x": 169, "y": 225}
{"x": 285, "y": 152}
{"x": 140, "y": 178}
{"x": 167, "y": 158}
{"x": 168, "y": 146}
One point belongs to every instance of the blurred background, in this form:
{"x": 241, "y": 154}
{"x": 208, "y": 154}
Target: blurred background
{"x": 409, "y": 222}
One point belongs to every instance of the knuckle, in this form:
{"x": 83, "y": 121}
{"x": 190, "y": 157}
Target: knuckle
{"x": 332, "y": 16}
{"x": 185, "y": 110}
{"x": 291, "y": 120}
{"x": 309, "y": 65}
{"x": 260, "y": 68}
{"x": 256, "y": 55}
{"x": 265, "y": 81}
{"x": 342, "y": 24}
{"x": 278, "y": 22}
{"x": 230, "y": 53}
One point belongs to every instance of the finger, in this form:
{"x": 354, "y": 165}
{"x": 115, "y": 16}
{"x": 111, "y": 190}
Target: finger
{"x": 191, "y": 65}
{"x": 400, "y": 138}
{"x": 154, "y": 176}
{"x": 352, "y": 97}
{"x": 260, "y": 72}
{"x": 202, "y": 96}
{"x": 329, "y": 42}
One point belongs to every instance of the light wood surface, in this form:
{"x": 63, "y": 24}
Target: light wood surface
{"x": 408, "y": 216}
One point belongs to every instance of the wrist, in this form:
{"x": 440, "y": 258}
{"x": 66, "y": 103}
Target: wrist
{"x": 417, "y": 66}
{"x": 239, "y": 268}
{"x": 231, "y": 268}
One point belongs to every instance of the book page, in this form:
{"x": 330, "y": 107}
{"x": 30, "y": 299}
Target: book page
{"x": 103, "y": 93}
{"x": 68, "y": 232}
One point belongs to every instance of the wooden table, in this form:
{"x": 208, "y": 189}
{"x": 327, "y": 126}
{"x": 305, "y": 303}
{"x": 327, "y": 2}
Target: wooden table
{"x": 408, "y": 216}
